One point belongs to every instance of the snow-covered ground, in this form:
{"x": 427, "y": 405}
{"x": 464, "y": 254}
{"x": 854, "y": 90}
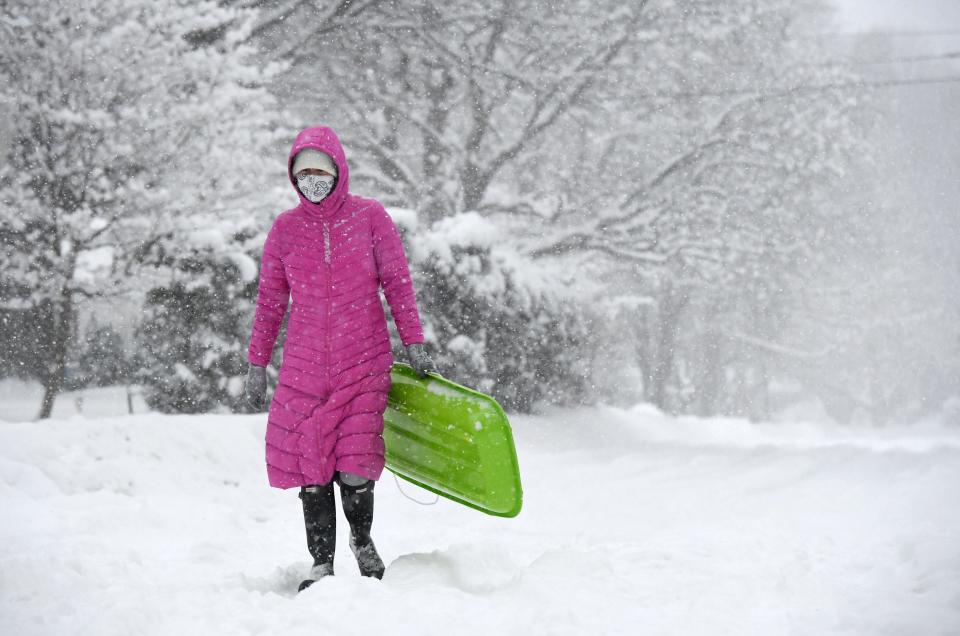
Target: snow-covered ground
{"x": 633, "y": 523}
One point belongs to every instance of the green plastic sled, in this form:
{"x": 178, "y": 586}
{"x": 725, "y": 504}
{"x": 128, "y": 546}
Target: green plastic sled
{"x": 453, "y": 441}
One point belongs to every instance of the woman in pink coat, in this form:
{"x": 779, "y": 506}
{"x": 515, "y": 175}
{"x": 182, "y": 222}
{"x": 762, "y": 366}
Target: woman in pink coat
{"x": 331, "y": 254}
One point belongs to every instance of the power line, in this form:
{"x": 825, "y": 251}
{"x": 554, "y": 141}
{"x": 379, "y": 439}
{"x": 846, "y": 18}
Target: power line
{"x": 953, "y": 55}
{"x": 908, "y": 81}
{"x": 892, "y": 34}
{"x": 812, "y": 88}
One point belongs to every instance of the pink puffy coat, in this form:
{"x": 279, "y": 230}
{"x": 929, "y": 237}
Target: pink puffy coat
{"x": 332, "y": 257}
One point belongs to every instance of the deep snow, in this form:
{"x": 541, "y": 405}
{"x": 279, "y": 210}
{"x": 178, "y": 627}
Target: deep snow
{"x": 633, "y": 523}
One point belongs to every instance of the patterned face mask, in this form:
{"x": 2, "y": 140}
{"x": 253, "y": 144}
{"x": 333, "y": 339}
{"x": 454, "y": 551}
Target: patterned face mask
{"x": 315, "y": 186}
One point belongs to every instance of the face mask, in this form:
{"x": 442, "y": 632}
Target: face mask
{"x": 315, "y": 186}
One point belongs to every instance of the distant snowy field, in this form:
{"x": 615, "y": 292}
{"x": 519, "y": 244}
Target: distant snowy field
{"x": 633, "y": 523}
{"x": 21, "y": 401}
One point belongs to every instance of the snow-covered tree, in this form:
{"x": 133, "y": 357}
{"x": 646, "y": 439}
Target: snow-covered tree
{"x": 132, "y": 121}
{"x": 716, "y": 178}
{"x": 191, "y": 342}
{"x": 440, "y": 100}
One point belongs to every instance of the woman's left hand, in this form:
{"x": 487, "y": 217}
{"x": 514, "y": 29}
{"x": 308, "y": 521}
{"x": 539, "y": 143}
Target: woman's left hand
{"x": 420, "y": 360}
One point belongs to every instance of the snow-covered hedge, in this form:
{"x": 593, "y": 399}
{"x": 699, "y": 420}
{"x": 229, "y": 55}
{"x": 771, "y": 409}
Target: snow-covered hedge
{"x": 494, "y": 320}
{"x": 191, "y": 344}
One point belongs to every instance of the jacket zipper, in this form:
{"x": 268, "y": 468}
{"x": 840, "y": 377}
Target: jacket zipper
{"x": 326, "y": 260}
{"x": 326, "y": 242}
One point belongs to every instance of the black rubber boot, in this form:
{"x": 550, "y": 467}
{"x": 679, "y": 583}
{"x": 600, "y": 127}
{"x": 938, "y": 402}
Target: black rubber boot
{"x": 358, "y": 509}
{"x": 320, "y": 520}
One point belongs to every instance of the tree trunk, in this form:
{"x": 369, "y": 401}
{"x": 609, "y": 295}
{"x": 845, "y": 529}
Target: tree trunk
{"x": 760, "y": 394}
{"x": 668, "y": 331}
{"x": 712, "y": 375}
{"x": 60, "y": 330}
{"x": 440, "y": 82}
{"x": 644, "y": 352}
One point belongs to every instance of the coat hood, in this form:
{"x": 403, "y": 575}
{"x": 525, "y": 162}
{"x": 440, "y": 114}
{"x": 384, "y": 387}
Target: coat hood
{"x": 325, "y": 140}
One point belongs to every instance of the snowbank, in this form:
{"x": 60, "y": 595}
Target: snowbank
{"x": 633, "y": 523}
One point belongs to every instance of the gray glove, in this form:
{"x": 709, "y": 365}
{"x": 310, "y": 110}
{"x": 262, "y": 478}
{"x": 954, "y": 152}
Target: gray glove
{"x": 255, "y": 388}
{"x": 420, "y": 360}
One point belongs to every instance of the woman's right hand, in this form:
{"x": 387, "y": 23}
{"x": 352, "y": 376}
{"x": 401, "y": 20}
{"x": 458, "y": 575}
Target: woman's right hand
{"x": 255, "y": 388}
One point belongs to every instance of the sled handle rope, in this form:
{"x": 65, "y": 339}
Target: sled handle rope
{"x": 422, "y": 503}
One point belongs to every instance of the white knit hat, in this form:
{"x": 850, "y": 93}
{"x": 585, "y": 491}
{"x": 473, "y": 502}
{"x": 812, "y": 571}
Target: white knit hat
{"x": 310, "y": 158}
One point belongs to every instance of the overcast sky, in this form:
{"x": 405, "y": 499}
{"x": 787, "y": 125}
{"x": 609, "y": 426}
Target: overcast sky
{"x": 898, "y": 15}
